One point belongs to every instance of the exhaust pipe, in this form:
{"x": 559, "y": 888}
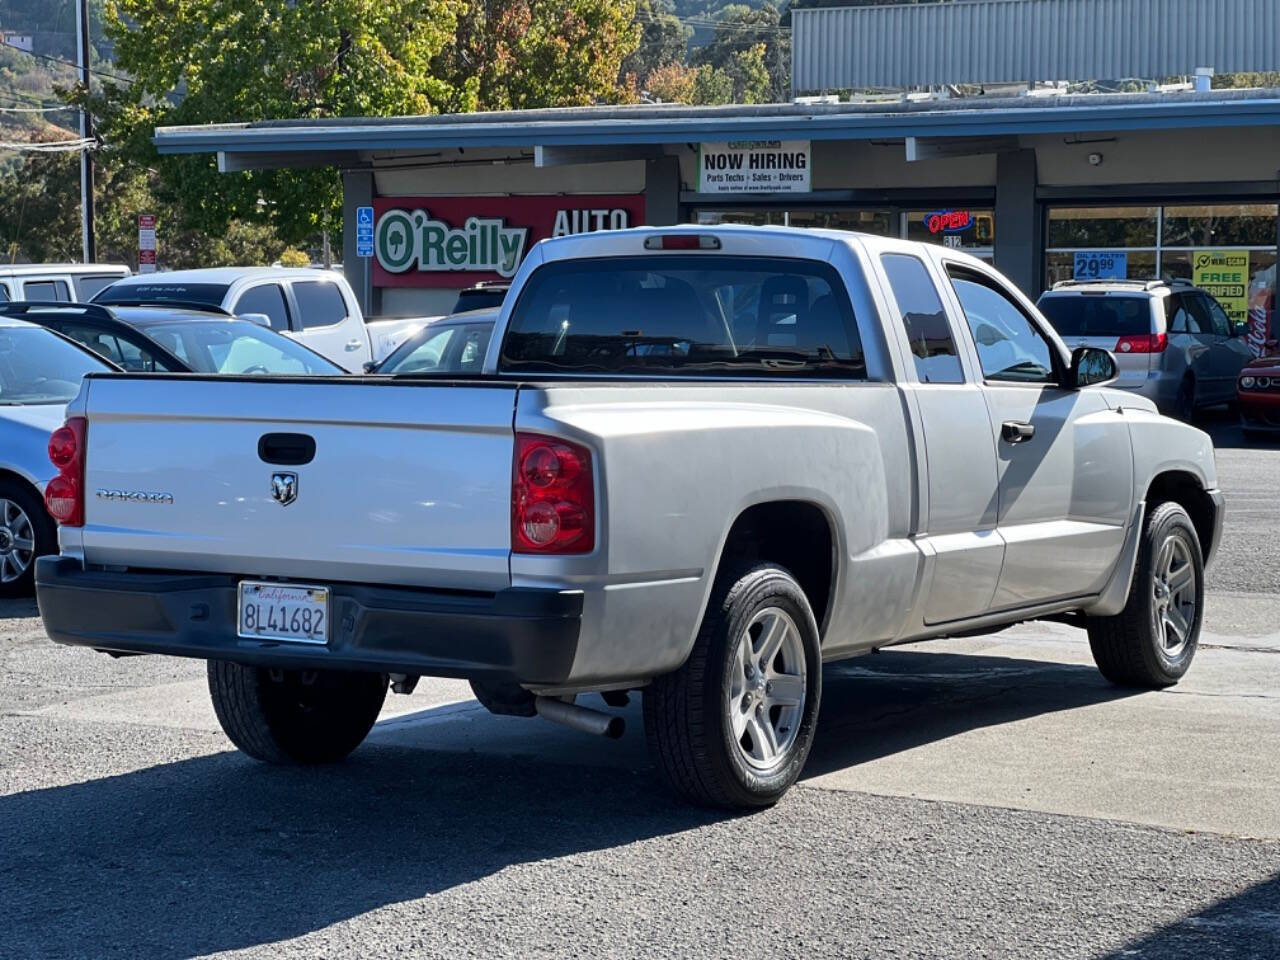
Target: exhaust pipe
{"x": 580, "y": 718}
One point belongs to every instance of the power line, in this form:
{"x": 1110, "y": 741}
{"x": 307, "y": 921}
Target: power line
{"x": 56, "y": 146}
{"x": 73, "y": 65}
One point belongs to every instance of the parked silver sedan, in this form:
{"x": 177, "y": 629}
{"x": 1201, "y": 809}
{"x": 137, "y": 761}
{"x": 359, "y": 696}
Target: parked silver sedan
{"x": 40, "y": 371}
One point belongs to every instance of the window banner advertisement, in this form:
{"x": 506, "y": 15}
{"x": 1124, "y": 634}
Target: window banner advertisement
{"x": 754, "y": 166}
{"x": 1101, "y": 265}
{"x": 1224, "y": 275}
{"x": 453, "y": 242}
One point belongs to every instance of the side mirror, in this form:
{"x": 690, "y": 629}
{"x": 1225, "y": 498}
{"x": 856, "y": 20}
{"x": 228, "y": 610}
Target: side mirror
{"x": 1091, "y": 366}
{"x": 1240, "y": 328}
{"x": 370, "y": 366}
{"x": 261, "y": 319}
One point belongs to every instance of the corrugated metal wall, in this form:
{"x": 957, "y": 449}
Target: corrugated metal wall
{"x": 1014, "y": 41}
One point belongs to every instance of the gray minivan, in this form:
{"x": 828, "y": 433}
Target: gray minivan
{"x": 1172, "y": 341}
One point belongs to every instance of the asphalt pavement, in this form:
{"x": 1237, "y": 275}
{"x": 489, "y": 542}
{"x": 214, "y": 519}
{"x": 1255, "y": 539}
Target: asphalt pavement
{"x": 987, "y": 797}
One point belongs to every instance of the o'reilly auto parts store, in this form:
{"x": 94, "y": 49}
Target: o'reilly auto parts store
{"x": 1170, "y": 183}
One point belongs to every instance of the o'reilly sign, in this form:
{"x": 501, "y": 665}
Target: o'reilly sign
{"x": 754, "y": 166}
{"x": 452, "y": 241}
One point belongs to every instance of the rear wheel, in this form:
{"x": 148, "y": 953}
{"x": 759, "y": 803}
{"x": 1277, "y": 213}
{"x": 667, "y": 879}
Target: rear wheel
{"x": 26, "y": 532}
{"x": 295, "y": 716}
{"x": 1152, "y": 642}
{"x": 733, "y": 726}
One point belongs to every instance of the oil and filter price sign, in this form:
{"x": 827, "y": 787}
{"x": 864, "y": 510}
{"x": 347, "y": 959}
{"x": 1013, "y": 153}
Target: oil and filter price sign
{"x": 1101, "y": 265}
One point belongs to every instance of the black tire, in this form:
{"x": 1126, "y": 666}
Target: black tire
{"x": 43, "y": 534}
{"x": 685, "y": 714}
{"x": 1131, "y": 648}
{"x": 295, "y": 716}
{"x": 1184, "y": 404}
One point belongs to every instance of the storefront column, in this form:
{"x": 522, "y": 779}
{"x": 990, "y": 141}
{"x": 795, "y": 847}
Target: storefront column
{"x": 662, "y": 192}
{"x": 1019, "y": 241}
{"x": 357, "y": 191}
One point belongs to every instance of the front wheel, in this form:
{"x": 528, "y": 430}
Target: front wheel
{"x": 733, "y": 726}
{"x": 295, "y": 716}
{"x": 1152, "y": 642}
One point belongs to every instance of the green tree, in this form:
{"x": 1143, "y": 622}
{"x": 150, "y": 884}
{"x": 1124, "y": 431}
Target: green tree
{"x": 524, "y": 54}
{"x": 664, "y": 40}
{"x": 208, "y": 61}
{"x": 740, "y": 29}
{"x": 712, "y": 86}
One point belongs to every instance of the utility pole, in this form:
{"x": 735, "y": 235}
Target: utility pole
{"x": 86, "y": 131}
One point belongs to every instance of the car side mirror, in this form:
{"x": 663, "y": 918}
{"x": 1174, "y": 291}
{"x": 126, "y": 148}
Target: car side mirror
{"x": 370, "y": 366}
{"x": 261, "y": 319}
{"x": 1091, "y": 366}
{"x": 1240, "y": 328}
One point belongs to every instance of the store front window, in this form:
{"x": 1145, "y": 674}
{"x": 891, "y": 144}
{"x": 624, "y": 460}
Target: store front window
{"x": 973, "y": 231}
{"x": 1226, "y": 249}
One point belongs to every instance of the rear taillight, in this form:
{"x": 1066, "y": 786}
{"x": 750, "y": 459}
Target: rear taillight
{"x": 552, "y": 497}
{"x": 1143, "y": 343}
{"x": 64, "y": 495}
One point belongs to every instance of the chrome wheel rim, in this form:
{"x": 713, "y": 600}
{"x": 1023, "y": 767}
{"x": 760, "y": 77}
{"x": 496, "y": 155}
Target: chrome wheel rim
{"x": 1173, "y": 595}
{"x": 17, "y": 541}
{"x": 764, "y": 698}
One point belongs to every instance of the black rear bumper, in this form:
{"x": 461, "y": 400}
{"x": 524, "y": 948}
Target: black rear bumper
{"x": 525, "y": 635}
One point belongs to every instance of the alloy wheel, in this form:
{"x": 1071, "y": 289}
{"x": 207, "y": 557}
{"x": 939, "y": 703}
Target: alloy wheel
{"x": 765, "y": 695}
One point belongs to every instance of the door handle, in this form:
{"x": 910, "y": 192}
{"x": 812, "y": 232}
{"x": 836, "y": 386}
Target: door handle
{"x": 353, "y": 344}
{"x": 1012, "y": 431}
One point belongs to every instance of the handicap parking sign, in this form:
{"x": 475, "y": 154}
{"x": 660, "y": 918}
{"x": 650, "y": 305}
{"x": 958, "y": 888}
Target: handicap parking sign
{"x": 364, "y": 231}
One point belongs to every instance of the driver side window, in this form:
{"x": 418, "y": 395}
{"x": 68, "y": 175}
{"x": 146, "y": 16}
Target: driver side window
{"x": 1010, "y": 348}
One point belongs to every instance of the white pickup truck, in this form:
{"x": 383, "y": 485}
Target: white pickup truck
{"x": 317, "y": 308}
{"x": 698, "y": 463}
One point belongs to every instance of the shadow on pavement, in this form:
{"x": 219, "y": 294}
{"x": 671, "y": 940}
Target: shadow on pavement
{"x": 893, "y": 701}
{"x": 18, "y": 608}
{"x": 1245, "y": 926}
{"x": 219, "y": 853}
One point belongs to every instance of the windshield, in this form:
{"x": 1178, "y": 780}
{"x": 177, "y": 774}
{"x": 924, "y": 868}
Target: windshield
{"x": 700, "y": 315}
{"x": 161, "y": 292}
{"x": 37, "y": 366}
{"x": 458, "y": 348}
{"x": 1091, "y": 315}
{"x": 479, "y": 298}
{"x": 236, "y": 347}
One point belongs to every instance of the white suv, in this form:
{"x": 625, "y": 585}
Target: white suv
{"x": 1172, "y": 341}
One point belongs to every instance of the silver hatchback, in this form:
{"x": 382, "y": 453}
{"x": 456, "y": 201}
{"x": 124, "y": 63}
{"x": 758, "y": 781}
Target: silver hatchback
{"x": 1173, "y": 342}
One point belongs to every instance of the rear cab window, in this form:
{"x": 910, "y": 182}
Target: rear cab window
{"x": 684, "y": 316}
{"x": 162, "y": 292}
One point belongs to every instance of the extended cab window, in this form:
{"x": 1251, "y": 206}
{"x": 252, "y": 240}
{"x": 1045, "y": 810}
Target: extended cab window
{"x": 266, "y": 299}
{"x": 48, "y": 290}
{"x": 932, "y": 346}
{"x": 320, "y": 304}
{"x": 697, "y": 315}
{"x": 1010, "y": 348}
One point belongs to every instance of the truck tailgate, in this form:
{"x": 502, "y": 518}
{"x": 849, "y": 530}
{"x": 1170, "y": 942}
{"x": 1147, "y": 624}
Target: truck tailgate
{"x": 409, "y": 483}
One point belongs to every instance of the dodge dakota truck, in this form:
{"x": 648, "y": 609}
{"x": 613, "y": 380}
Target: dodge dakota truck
{"x": 695, "y": 463}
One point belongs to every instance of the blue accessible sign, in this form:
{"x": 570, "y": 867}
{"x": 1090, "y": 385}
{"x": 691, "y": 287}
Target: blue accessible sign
{"x": 1101, "y": 265}
{"x": 364, "y": 231}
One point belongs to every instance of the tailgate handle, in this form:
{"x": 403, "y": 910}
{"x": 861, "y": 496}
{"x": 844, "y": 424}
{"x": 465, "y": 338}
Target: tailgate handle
{"x": 286, "y": 449}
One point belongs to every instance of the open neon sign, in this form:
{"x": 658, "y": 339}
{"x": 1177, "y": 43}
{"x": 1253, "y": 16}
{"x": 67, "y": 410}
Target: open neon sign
{"x": 949, "y": 221}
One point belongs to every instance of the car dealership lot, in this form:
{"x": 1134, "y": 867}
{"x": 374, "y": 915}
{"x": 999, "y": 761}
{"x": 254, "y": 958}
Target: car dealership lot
{"x": 979, "y": 797}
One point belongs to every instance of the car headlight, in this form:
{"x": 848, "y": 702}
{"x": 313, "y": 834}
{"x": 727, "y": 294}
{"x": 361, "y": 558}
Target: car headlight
{"x": 1248, "y": 383}
{"x": 1264, "y": 382}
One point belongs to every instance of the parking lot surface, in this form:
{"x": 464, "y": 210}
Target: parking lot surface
{"x": 986, "y": 797}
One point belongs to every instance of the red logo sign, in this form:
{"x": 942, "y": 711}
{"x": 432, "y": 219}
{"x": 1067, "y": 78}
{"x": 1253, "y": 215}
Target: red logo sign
{"x": 457, "y": 241}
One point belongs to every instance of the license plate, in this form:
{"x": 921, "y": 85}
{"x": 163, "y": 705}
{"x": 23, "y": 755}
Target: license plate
{"x": 284, "y": 611}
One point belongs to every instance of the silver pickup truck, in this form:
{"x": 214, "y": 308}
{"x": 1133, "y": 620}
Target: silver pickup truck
{"x": 698, "y": 463}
